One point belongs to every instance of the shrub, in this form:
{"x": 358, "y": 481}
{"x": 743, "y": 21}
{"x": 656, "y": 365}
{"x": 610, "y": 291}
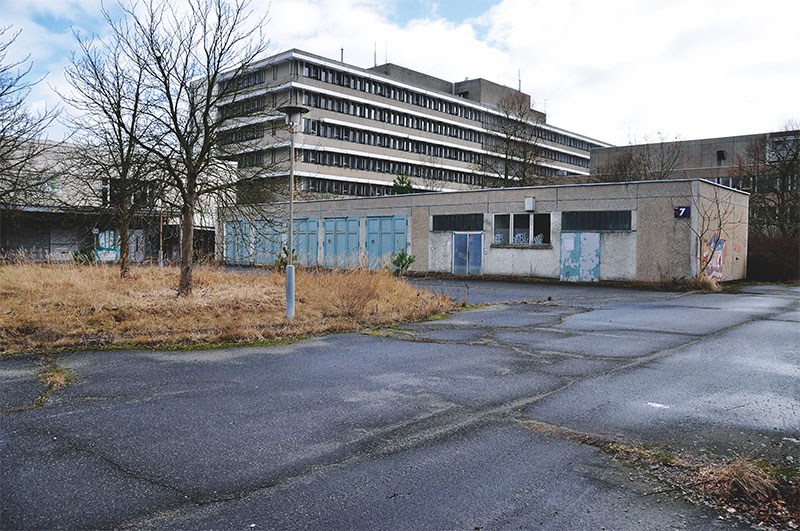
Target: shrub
{"x": 401, "y": 262}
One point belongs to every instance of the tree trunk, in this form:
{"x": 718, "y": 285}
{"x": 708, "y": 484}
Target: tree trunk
{"x": 187, "y": 248}
{"x": 124, "y": 249}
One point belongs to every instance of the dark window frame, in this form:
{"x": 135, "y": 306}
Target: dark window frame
{"x": 596, "y": 221}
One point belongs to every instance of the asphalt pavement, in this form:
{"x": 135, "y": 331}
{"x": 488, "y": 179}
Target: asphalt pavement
{"x": 416, "y": 426}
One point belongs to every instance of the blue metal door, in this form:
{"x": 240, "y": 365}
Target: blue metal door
{"x": 237, "y": 242}
{"x": 580, "y": 256}
{"x": 467, "y": 253}
{"x": 386, "y": 236}
{"x": 268, "y": 239}
{"x": 305, "y": 241}
{"x": 474, "y": 253}
{"x": 340, "y": 247}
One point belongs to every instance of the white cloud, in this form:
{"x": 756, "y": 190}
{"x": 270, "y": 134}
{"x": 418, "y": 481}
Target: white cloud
{"x": 612, "y": 70}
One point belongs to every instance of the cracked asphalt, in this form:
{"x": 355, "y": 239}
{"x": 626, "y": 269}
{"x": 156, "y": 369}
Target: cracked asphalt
{"x": 414, "y": 426}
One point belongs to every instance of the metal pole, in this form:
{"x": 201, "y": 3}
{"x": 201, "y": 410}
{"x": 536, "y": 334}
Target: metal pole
{"x": 291, "y": 192}
{"x": 290, "y": 265}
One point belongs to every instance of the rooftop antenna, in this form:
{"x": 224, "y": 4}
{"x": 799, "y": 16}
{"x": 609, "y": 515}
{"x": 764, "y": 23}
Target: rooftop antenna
{"x": 342, "y": 59}
{"x": 519, "y": 80}
{"x": 375, "y": 55}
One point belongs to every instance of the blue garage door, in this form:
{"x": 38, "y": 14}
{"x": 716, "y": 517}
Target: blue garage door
{"x": 341, "y": 242}
{"x": 237, "y": 242}
{"x": 386, "y": 236}
{"x": 268, "y": 236}
{"x": 305, "y": 241}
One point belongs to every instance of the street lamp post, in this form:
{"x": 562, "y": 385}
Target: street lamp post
{"x": 293, "y": 114}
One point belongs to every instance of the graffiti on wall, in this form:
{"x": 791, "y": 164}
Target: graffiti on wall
{"x": 107, "y": 247}
{"x": 714, "y": 256}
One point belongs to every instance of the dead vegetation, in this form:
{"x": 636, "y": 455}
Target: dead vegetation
{"x": 753, "y": 491}
{"x": 757, "y": 492}
{"x": 53, "y": 307}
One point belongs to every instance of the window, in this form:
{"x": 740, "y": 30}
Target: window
{"x": 515, "y": 229}
{"x": 522, "y": 228}
{"x": 458, "y": 222}
{"x": 541, "y": 228}
{"x": 596, "y": 220}
{"x": 502, "y": 228}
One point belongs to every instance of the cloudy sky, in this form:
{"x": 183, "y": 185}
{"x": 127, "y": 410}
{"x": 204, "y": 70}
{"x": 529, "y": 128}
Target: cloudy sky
{"x": 616, "y": 70}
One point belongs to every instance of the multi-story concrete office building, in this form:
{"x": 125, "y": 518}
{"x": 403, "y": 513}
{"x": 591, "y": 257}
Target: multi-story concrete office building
{"x": 367, "y": 126}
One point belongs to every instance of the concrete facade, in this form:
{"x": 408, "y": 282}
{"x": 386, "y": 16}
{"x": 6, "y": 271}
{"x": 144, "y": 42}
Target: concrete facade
{"x": 367, "y": 126}
{"x": 594, "y": 232}
{"x": 712, "y": 159}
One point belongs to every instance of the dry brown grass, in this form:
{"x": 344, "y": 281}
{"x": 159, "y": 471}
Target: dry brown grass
{"x": 741, "y": 477}
{"x": 705, "y": 283}
{"x": 44, "y": 307}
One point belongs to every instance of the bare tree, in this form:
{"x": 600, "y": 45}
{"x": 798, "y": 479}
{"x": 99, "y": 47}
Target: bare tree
{"x": 190, "y": 61}
{"x": 513, "y": 143}
{"x": 21, "y": 130}
{"x": 770, "y": 169}
{"x": 656, "y": 160}
{"x": 428, "y": 180}
{"x": 114, "y": 174}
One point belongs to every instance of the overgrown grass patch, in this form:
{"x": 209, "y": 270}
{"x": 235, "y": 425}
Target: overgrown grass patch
{"x": 54, "y": 307}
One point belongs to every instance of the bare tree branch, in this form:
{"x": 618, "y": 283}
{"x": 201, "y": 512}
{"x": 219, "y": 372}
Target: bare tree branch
{"x": 513, "y": 143}
{"x": 21, "y": 131}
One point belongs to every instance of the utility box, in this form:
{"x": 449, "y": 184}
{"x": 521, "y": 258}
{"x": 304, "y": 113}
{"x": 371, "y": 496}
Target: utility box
{"x": 530, "y": 204}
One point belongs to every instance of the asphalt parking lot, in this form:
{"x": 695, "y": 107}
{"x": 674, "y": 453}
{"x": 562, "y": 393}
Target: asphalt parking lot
{"x": 415, "y": 426}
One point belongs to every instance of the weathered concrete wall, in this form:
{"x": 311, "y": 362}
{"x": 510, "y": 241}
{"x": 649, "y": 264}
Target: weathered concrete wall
{"x": 663, "y": 247}
{"x": 618, "y": 255}
{"x": 440, "y": 257}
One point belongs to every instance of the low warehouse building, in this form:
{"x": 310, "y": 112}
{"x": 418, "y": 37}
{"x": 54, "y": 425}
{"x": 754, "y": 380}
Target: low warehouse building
{"x": 643, "y": 231}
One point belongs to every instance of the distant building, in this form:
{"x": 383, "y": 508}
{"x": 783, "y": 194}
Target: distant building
{"x": 724, "y": 160}
{"x": 367, "y": 126}
{"x": 71, "y": 213}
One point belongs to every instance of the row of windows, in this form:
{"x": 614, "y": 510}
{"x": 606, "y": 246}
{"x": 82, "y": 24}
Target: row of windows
{"x": 499, "y": 145}
{"x": 335, "y": 77}
{"x": 258, "y": 104}
{"x": 242, "y": 134}
{"x": 379, "y": 114}
{"x": 243, "y": 81}
{"x": 358, "y": 162}
{"x": 247, "y": 80}
{"x": 327, "y": 186}
{"x": 340, "y": 132}
{"x": 566, "y": 158}
{"x": 245, "y": 107}
{"x": 405, "y": 120}
{"x": 518, "y": 229}
{"x": 565, "y": 140}
{"x": 255, "y": 158}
